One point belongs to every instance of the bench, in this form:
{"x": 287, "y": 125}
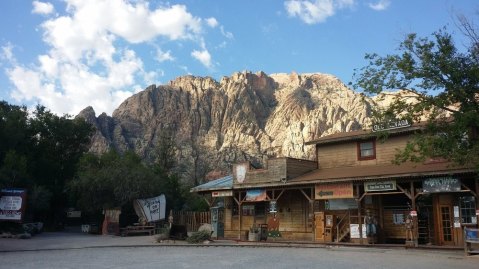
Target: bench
{"x": 471, "y": 238}
{"x": 137, "y": 229}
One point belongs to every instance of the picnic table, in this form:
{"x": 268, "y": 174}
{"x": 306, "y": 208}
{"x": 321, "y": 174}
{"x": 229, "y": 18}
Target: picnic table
{"x": 138, "y": 229}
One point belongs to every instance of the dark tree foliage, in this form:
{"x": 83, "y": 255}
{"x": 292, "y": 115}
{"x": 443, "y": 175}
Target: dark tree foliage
{"x": 39, "y": 152}
{"x": 440, "y": 84}
{"x": 113, "y": 180}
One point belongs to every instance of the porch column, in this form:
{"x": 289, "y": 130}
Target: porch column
{"x": 477, "y": 198}
{"x": 413, "y": 205}
{"x": 360, "y": 221}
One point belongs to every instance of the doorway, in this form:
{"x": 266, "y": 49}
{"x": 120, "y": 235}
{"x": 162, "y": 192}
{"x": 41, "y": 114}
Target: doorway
{"x": 446, "y": 235}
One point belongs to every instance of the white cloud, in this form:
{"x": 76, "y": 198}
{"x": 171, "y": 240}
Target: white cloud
{"x": 225, "y": 33}
{"x": 203, "y": 56}
{"x": 162, "y": 56}
{"x": 212, "y": 22}
{"x": 89, "y": 61}
{"x": 7, "y": 53}
{"x": 43, "y": 8}
{"x": 317, "y": 11}
{"x": 381, "y": 5}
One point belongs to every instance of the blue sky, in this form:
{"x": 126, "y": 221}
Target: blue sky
{"x": 69, "y": 54}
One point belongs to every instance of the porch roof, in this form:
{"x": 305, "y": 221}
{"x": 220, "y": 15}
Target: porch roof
{"x": 224, "y": 183}
{"x": 371, "y": 172}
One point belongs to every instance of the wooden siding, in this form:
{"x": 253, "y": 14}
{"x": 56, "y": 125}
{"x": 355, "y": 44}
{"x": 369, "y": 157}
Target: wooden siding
{"x": 340, "y": 155}
{"x": 293, "y": 215}
{"x": 391, "y": 230}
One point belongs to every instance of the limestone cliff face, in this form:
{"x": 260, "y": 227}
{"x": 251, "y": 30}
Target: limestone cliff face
{"x": 245, "y": 116}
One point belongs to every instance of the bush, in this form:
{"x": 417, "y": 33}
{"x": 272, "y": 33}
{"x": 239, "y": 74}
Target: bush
{"x": 198, "y": 237}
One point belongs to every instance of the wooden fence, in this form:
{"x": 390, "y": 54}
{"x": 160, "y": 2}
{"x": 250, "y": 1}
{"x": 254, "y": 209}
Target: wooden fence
{"x": 192, "y": 220}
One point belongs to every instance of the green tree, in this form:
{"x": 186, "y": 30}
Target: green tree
{"x": 440, "y": 85}
{"x": 112, "y": 180}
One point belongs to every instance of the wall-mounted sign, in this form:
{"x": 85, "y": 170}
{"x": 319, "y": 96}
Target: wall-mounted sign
{"x": 390, "y": 125}
{"x": 413, "y": 213}
{"x": 240, "y": 172}
{"x": 389, "y": 185}
{"x": 12, "y": 204}
{"x": 255, "y": 195}
{"x": 334, "y": 191}
{"x": 354, "y": 229}
{"x": 221, "y": 193}
{"x": 441, "y": 184}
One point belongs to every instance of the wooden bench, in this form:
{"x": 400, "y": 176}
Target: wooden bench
{"x": 471, "y": 239}
{"x": 137, "y": 229}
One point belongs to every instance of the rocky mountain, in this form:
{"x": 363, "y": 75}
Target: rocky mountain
{"x": 244, "y": 116}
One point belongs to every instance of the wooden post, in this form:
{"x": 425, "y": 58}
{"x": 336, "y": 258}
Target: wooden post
{"x": 239, "y": 215}
{"x": 477, "y": 198}
{"x": 413, "y": 205}
{"x": 359, "y": 216}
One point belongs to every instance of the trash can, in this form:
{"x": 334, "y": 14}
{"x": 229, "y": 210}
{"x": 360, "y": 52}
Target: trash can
{"x": 263, "y": 232}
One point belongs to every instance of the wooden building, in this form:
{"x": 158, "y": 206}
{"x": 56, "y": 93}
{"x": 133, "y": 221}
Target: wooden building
{"x": 353, "y": 193}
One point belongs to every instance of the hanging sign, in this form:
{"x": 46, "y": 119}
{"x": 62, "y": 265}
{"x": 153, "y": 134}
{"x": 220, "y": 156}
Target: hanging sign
{"x": 221, "y": 193}
{"x": 389, "y": 185}
{"x": 334, "y": 191}
{"x": 413, "y": 213}
{"x": 477, "y": 212}
{"x": 441, "y": 184}
{"x": 272, "y": 206}
{"x": 12, "y": 204}
{"x": 255, "y": 195}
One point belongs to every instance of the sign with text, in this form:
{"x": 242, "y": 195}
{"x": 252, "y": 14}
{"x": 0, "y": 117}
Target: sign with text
{"x": 390, "y": 125}
{"x": 441, "y": 184}
{"x": 389, "y": 185}
{"x": 151, "y": 209}
{"x": 354, "y": 228}
{"x": 221, "y": 193}
{"x": 334, "y": 191}
{"x": 12, "y": 204}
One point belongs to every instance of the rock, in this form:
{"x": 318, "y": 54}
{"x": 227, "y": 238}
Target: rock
{"x": 242, "y": 117}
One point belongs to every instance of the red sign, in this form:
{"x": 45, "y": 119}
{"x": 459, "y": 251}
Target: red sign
{"x": 334, "y": 191}
{"x": 413, "y": 213}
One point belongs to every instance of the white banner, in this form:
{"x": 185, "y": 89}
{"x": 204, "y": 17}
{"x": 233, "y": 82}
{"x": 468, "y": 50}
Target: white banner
{"x": 151, "y": 209}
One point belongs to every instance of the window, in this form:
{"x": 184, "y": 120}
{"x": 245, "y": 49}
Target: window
{"x": 366, "y": 150}
{"x": 468, "y": 210}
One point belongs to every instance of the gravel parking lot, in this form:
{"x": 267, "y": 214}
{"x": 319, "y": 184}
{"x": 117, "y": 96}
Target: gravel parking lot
{"x": 86, "y": 251}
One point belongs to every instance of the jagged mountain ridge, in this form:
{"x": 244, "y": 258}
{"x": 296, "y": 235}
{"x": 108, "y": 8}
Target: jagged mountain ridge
{"x": 244, "y": 116}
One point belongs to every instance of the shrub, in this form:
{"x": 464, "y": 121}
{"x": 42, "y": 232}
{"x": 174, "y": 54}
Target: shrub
{"x": 198, "y": 237}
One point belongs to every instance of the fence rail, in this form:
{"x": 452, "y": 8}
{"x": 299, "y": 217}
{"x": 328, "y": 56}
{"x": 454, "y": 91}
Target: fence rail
{"x": 192, "y": 220}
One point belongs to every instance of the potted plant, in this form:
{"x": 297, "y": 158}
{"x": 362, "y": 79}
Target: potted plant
{"x": 253, "y": 234}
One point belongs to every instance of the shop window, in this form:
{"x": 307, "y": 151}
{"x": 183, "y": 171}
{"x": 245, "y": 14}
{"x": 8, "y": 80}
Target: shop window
{"x": 468, "y": 210}
{"x": 260, "y": 209}
{"x": 247, "y": 210}
{"x": 367, "y": 150}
